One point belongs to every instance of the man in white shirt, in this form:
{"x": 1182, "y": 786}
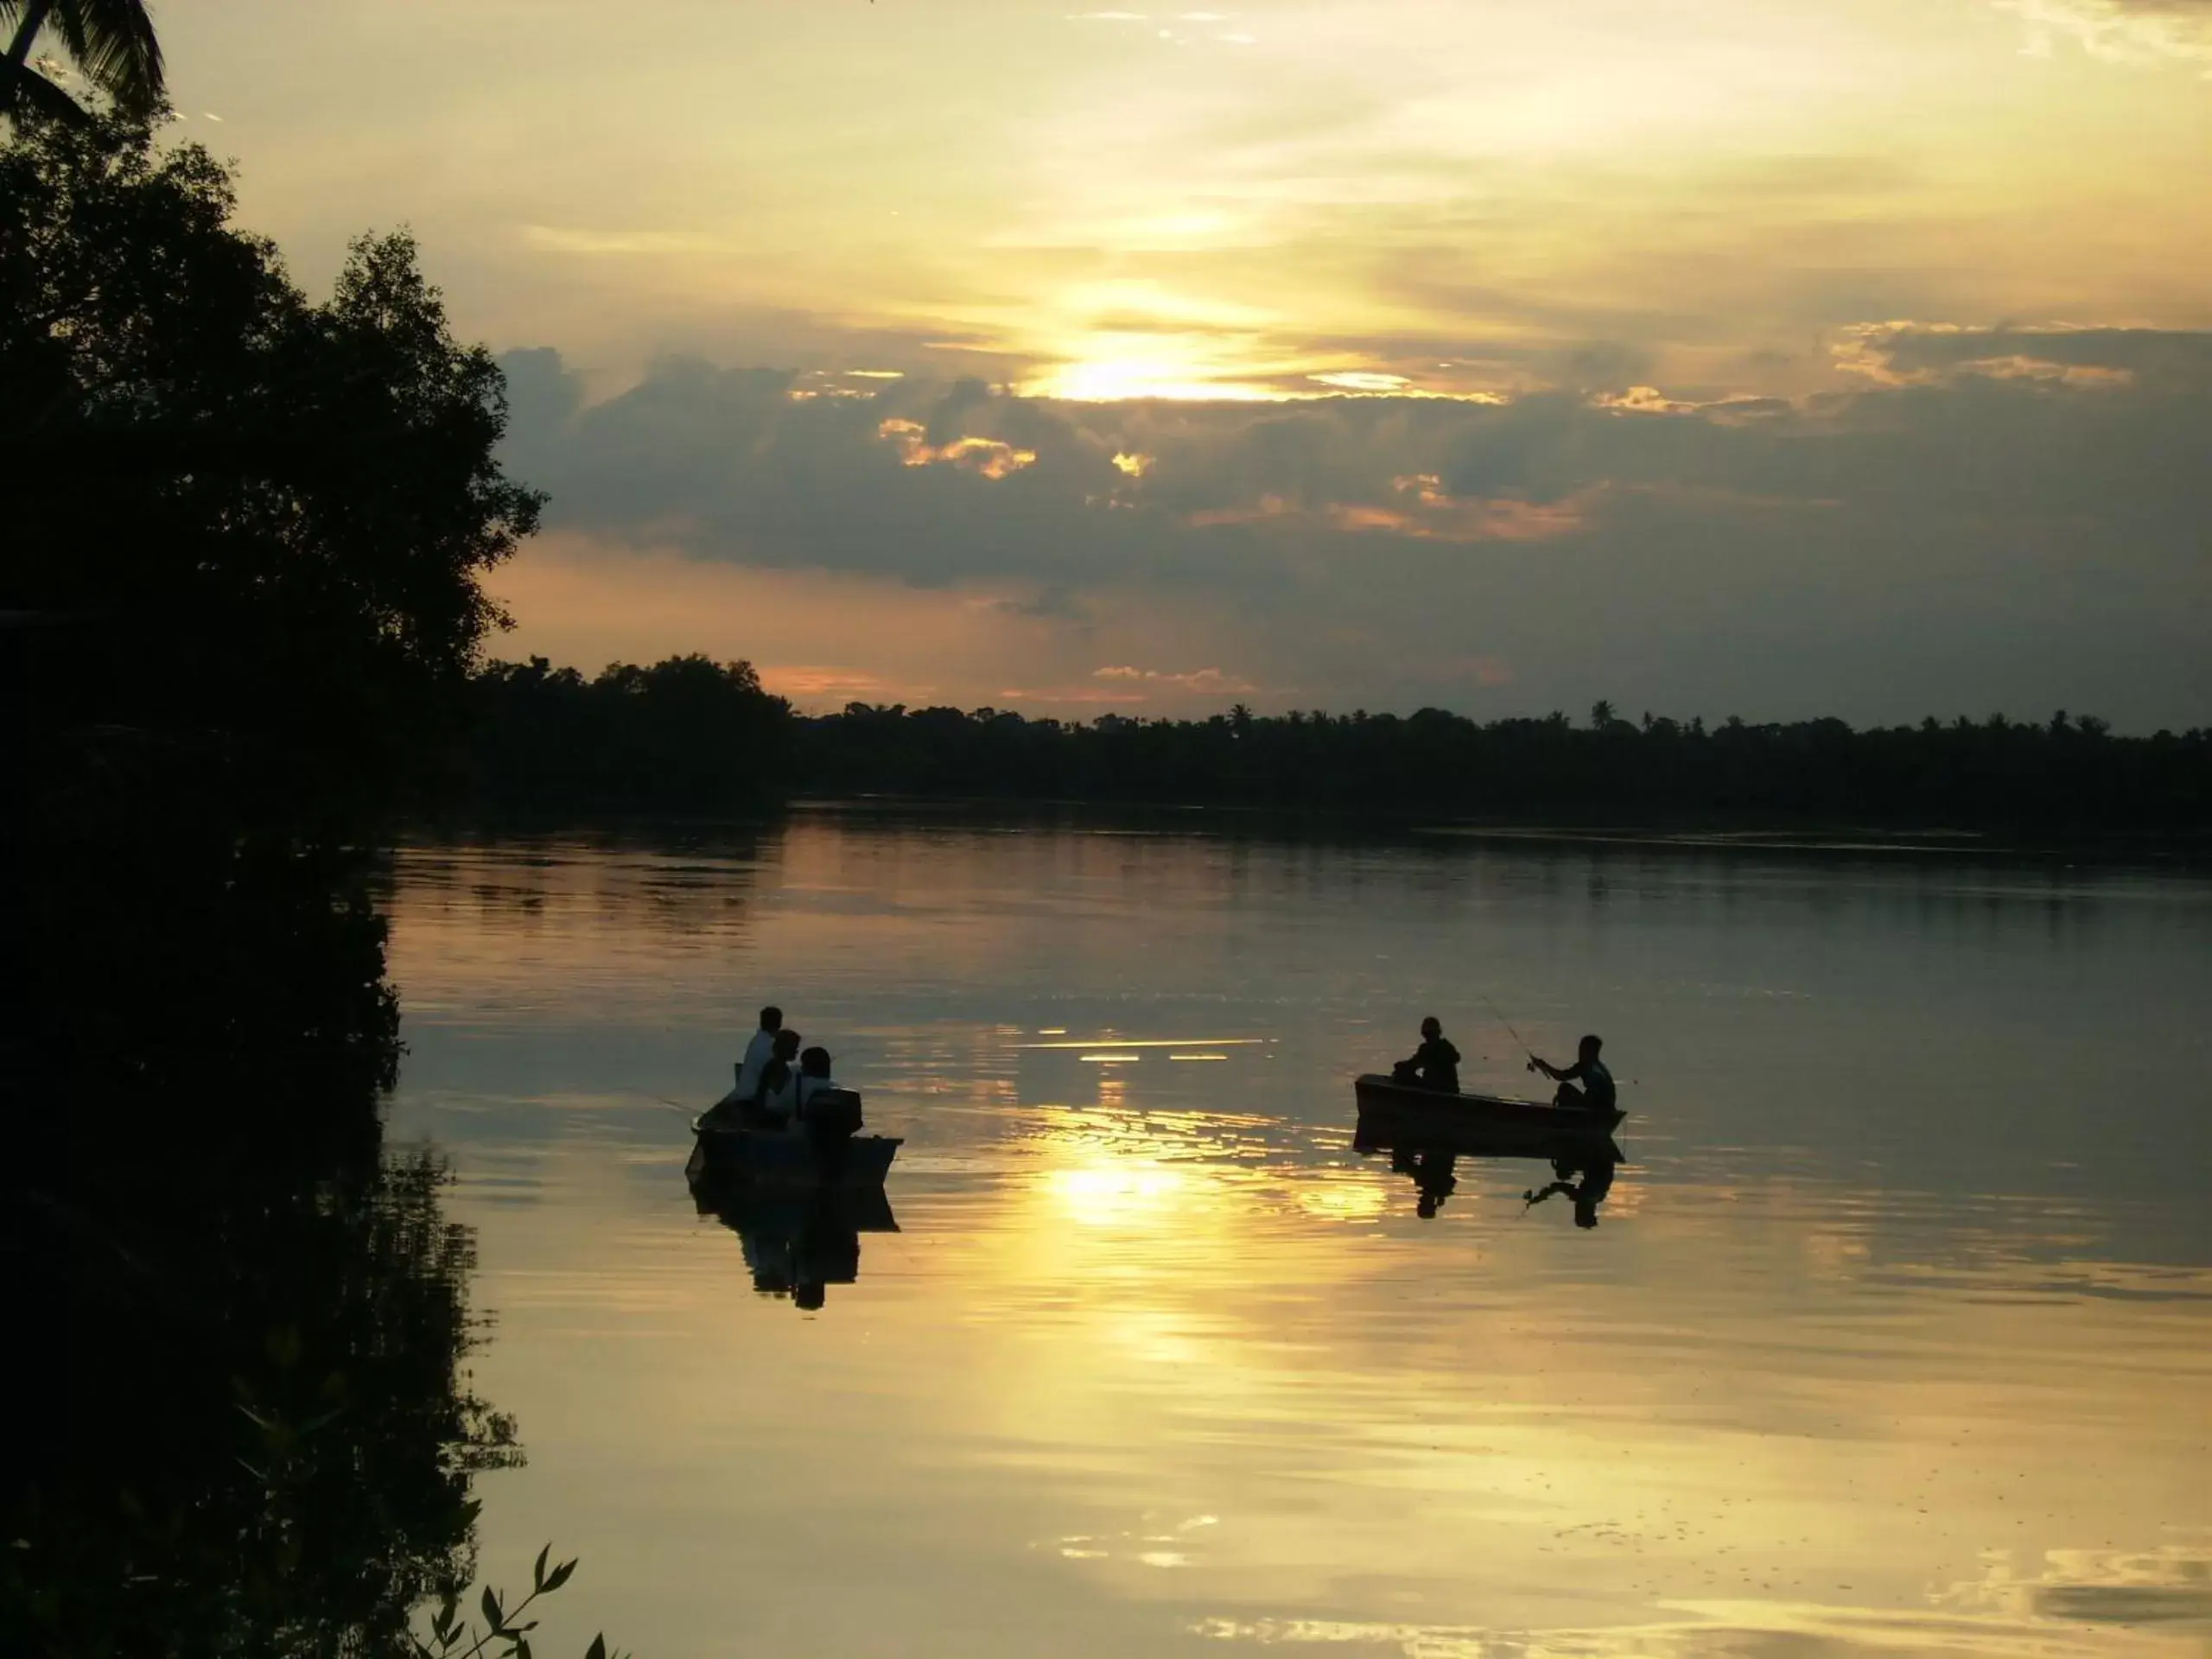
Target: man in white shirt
{"x": 757, "y": 1055}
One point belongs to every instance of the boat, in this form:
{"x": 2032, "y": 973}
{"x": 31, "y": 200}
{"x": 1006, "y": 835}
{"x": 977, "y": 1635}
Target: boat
{"x": 1428, "y": 1139}
{"x": 771, "y": 1158}
{"x": 1406, "y": 1111}
{"x": 724, "y": 1148}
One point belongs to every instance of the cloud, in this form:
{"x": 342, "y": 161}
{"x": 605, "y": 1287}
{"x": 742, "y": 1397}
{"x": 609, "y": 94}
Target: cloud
{"x": 2118, "y": 30}
{"x": 1899, "y": 353}
{"x": 1207, "y": 681}
{"x": 1993, "y": 516}
{"x": 986, "y": 457}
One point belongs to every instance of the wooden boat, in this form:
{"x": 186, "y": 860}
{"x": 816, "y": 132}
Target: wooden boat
{"x": 771, "y": 1158}
{"x": 725, "y": 1148}
{"x": 1408, "y": 1111}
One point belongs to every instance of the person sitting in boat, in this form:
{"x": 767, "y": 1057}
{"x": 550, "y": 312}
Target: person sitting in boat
{"x": 758, "y": 1053}
{"x": 1597, "y": 1092}
{"x": 1435, "y": 1063}
{"x": 828, "y": 1113}
{"x": 775, "y": 1107}
{"x": 813, "y": 1075}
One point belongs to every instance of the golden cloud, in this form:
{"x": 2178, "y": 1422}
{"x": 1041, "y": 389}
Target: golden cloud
{"x": 986, "y": 457}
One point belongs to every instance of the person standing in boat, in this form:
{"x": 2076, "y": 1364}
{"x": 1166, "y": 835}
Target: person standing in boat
{"x": 1596, "y": 1093}
{"x": 1435, "y": 1063}
{"x": 758, "y": 1053}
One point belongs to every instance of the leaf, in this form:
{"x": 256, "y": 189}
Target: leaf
{"x": 560, "y": 1575}
{"x": 598, "y": 1648}
{"x": 490, "y": 1603}
{"x": 538, "y": 1571}
{"x": 522, "y": 1648}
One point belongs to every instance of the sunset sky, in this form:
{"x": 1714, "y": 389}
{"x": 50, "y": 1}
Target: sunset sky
{"x": 1812, "y": 356}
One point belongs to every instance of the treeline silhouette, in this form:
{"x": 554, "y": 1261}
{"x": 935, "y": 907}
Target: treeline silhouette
{"x": 689, "y": 732}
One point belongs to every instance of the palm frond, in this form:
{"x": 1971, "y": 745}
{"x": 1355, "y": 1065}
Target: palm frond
{"x": 114, "y": 45}
{"x": 38, "y": 96}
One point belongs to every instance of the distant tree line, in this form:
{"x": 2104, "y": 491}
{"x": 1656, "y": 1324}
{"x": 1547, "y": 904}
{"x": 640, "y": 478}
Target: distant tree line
{"x": 689, "y": 732}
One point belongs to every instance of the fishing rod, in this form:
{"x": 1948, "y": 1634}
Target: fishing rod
{"x": 1500, "y": 1015}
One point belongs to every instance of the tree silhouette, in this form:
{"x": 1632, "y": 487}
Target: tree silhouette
{"x": 112, "y": 40}
{"x": 263, "y": 519}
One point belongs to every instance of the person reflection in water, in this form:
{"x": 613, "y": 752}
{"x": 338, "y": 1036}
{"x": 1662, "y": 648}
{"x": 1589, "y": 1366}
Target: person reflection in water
{"x": 1597, "y": 1173}
{"x": 1434, "y": 1065}
{"x": 796, "y": 1246}
{"x": 1432, "y": 1169}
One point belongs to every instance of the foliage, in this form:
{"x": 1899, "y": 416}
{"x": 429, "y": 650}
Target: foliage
{"x": 247, "y": 522}
{"x": 112, "y": 42}
{"x": 686, "y": 732}
{"x": 2062, "y": 776}
{"x": 255, "y": 1432}
{"x": 449, "y": 1629}
{"x": 689, "y": 733}
{"x": 242, "y": 584}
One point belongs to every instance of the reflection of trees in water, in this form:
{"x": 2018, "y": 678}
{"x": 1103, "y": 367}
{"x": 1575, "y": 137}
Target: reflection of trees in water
{"x": 254, "y": 1429}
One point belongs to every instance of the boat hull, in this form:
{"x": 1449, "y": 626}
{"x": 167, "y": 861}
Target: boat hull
{"x": 775, "y": 1160}
{"x": 1391, "y": 1111}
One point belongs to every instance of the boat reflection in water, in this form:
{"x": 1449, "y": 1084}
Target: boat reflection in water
{"x": 797, "y": 1242}
{"x": 1583, "y": 1164}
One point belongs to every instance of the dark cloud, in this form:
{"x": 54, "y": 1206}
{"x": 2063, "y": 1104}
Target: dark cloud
{"x": 1965, "y": 534}
{"x": 2161, "y": 356}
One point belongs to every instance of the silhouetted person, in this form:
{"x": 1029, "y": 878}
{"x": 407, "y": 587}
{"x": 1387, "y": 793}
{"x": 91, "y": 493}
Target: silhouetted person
{"x": 813, "y": 1075}
{"x": 757, "y": 1052}
{"x": 1596, "y": 1093}
{"x": 1435, "y": 1063}
{"x": 773, "y": 1106}
{"x": 1587, "y": 1194}
{"x": 827, "y": 1113}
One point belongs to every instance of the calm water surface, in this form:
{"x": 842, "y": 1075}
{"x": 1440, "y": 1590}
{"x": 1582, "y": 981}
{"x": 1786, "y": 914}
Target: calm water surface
{"x": 1895, "y": 1334}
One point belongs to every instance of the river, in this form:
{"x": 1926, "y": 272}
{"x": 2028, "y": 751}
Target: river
{"x": 1894, "y": 1333}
